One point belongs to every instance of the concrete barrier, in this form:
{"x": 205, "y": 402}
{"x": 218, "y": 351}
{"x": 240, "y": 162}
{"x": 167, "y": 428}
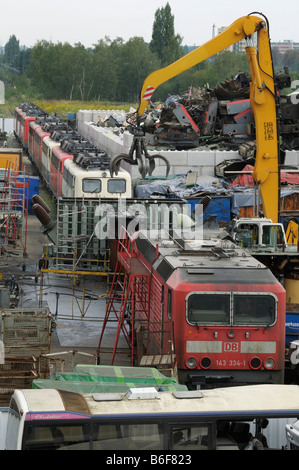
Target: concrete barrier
{"x": 114, "y": 142}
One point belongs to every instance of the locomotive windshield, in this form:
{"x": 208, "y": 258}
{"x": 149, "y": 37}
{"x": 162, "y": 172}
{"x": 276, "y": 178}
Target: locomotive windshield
{"x": 91, "y": 185}
{"x": 254, "y": 309}
{"x": 116, "y": 185}
{"x": 230, "y": 309}
{"x": 209, "y": 308}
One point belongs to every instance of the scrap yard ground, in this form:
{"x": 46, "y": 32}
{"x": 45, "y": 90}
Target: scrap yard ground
{"x": 75, "y": 338}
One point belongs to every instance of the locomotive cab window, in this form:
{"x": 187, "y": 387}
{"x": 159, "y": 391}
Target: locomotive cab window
{"x": 254, "y": 309}
{"x": 215, "y": 308}
{"x": 116, "y": 185}
{"x": 91, "y": 185}
{"x": 208, "y": 309}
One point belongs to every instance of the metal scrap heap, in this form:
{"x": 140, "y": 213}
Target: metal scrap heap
{"x": 216, "y": 116}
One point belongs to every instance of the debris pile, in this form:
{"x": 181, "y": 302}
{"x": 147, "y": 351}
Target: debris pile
{"x": 203, "y": 116}
{"x": 216, "y": 117}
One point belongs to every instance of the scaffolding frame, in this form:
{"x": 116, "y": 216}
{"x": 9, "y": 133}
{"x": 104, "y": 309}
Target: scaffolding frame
{"x": 77, "y": 246}
{"x": 129, "y": 305}
{"x": 14, "y": 211}
{"x": 76, "y": 256}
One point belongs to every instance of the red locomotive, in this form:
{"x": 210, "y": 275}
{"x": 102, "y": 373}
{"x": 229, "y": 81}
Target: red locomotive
{"x": 226, "y": 310}
{"x": 24, "y": 115}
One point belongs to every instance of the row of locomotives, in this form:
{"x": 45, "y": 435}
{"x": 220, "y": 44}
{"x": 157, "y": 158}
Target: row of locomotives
{"x": 40, "y": 132}
{"x": 69, "y": 165}
{"x": 208, "y": 306}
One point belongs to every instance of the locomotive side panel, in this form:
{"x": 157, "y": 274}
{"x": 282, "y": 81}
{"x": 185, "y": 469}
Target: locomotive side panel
{"x": 44, "y": 158}
{"x": 31, "y": 136}
{"x": 57, "y": 158}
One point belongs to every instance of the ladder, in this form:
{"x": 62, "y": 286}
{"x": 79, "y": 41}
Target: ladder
{"x": 129, "y": 297}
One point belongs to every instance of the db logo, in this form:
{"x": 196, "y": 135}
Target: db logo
{"x": 231, "y": 347}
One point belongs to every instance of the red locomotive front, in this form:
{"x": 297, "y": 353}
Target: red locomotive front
{"x": 230, "y": 333}
{"x": 227, "y": 312}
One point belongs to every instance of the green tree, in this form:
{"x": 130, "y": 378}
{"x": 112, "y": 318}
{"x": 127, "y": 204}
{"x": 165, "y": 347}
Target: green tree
{"x": 226, "y": 65}
{"x": 291, "y": 60}
{"x": 22, "y": 60}
{"x": 135, "y": 63}
{"x": 12, "y": 49}
{"x": 61, "y": 71}
{"x": 78, "y": 72}
{"x": 277, "y": 58}
{"x": 105, "y": 58}
{"x": 165, "y": 43}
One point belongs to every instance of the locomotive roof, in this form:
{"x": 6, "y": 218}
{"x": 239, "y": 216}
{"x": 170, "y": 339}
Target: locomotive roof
{"x": 206, "y": 256}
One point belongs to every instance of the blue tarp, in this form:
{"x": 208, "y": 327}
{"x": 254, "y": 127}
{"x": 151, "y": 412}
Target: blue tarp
{"x": 240, "y": 196}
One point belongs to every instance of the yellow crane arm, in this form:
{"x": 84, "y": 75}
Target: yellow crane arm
{"x": 241, "y": 28}
{"x": 262, "y": 97}
{"x": 263, "y": 105}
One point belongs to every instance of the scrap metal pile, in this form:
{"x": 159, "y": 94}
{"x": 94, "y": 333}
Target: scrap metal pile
{"x": 219, "y": 116}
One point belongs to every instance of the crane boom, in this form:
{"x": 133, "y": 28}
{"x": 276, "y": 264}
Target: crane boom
{"x": 262, "y": 98}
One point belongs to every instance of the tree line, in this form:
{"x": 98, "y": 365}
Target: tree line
{"x": 114, "y": 70}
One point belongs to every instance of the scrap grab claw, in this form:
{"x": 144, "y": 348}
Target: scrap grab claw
{"x": 138, "y": 155}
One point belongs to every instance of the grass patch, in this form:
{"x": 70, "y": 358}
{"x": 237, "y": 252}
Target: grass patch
{"x": 62, "y": 107}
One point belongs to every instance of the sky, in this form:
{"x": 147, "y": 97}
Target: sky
{"x": 88, "y": 21}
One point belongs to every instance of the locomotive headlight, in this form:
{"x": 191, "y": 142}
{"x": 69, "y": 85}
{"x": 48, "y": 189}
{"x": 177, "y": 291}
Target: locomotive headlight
{"x": 191, "y": 362}
{"x": 269, "y": 363}
{"x": 231, "y": 334}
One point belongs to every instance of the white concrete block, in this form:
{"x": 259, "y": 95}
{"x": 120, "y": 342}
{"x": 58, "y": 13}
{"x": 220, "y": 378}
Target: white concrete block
{"x": 127, "y": 139}
{"x": 95, "y": 116}
{"x": 221, "y": 155}
{"x": 201, "y": 158}
{"x": 174, "y": 158}
{"x": 292, "y": 158}
{"x": 160, "y": 171}
{"x": 86, "y": 130}
{"x": 134, "y": 171}
{"x": 88, "y": 115}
